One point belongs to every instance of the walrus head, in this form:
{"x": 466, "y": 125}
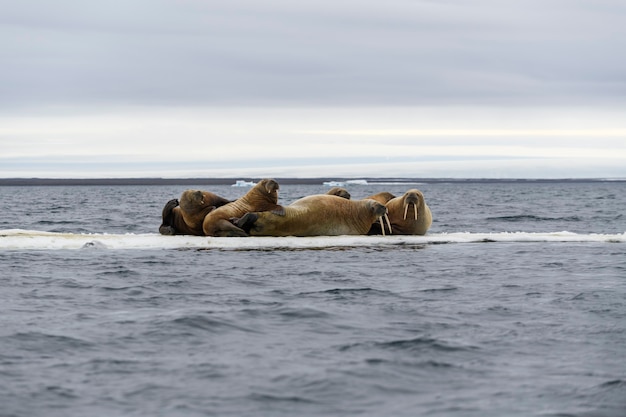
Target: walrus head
{"x": 340, "y": 192}
{"x": 191, "y": 200}
{"x": 270, "y": 187}
{"x": 380, "y": 211}
{"x": 413, "y": 198}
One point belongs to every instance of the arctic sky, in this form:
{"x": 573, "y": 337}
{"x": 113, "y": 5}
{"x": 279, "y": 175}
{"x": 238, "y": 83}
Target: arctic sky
{"x": 413, "y": 88}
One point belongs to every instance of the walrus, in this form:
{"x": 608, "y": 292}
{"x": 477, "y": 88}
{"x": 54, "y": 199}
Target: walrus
{"x": 262, "y": 197}
{"x": 315, "y": 215}
{"x": 408, "y": 215}
{"x": 185, "y": 217}
{"x": 339, "y": 191}
{"x": 382, "y": 197}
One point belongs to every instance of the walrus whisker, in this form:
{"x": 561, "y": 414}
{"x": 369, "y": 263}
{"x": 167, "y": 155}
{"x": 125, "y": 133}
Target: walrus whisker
{"x": 415, "y": 207}
{"x": 388, "y": 223}
{"x": 382, "y": 225}
{"x": 406, "y": 208}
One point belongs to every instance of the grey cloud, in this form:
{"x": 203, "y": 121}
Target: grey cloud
{"x": 313, "y": 53}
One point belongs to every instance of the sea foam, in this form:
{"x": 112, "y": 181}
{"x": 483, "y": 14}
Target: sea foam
{"x": 20, "y": 239}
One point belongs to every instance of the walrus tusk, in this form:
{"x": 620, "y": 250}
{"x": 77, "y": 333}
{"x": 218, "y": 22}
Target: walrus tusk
{"x": 406, "y": 208}
{"x": 382, "y": 224}
{"x": 388, "y": 223}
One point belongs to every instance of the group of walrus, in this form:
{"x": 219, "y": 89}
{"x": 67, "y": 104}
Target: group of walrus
{"x": 257, "y": 213}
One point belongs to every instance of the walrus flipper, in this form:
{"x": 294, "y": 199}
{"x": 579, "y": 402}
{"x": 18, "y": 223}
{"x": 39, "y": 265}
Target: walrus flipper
{"x": 247, "y": 221}
{"x": 227, "y": 229}
{"x": 167, "y": 226}
{"x": 279, "y": 211}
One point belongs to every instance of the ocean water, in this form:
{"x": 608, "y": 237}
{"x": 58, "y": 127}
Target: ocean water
{"x": 514, "y": 304}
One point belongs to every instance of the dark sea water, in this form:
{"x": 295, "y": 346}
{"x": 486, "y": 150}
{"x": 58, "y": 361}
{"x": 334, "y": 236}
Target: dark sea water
{"x": 528, "y": 322}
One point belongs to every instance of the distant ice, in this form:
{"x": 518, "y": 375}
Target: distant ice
{"x": 344, "y": 183}
{"x": 243, "y": 183}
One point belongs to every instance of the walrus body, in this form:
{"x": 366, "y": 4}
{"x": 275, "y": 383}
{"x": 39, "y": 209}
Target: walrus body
{"x": 262, "y": 197}
{"x": 316, "y": 215}
{"x": 186, "y": 217}
{"x": 408, "y": 214}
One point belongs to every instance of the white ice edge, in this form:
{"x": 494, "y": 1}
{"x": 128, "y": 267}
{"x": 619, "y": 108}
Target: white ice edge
{"x": 19, "y": 239}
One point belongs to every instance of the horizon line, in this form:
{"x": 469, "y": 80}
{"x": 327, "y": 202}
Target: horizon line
{"x": 17, "y": 181}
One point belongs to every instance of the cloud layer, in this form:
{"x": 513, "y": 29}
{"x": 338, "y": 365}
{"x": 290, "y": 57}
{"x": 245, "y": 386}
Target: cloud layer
{"x": 401, "y": 87}
{"x": 397, "y": 52}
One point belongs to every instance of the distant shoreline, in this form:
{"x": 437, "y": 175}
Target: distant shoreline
{"x": 293, "y": 181}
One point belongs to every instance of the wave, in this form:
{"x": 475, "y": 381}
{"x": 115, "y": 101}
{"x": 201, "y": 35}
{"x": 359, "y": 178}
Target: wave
{"x": 532, "y": 218}
{"x": 417, "y": 344}
{"x": 20, "y": 239}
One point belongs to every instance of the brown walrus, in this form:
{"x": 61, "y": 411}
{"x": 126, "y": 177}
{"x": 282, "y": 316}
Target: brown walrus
{"x": 382, "y": 197}
{"x": 408, "y": 214}
{"x": 315, "y": 215}
{"x": 339, "y": 191}
{"x": 262, "y": 197}
{"x": 186, "y": 217}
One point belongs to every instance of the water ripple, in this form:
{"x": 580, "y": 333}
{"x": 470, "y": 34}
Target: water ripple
{"x": 533, "y": 218}
{"x": 46, "y": 343}
{"x": 202, "y": 322}
{"x": 417, "y": 344}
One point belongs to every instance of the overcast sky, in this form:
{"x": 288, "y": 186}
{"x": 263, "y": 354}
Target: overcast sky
{"x": 442, "y": 88}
